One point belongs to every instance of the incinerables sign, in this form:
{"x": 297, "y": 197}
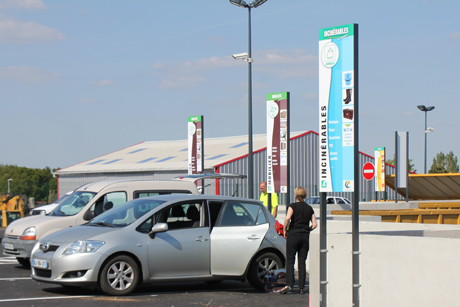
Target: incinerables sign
{"x": 277, "y": 142}
{"x": 337, "y": 108}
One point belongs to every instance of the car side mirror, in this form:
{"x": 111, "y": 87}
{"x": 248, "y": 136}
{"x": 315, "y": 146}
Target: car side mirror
{"x": 89, "y": 215}
{"x": 160, "y": 227}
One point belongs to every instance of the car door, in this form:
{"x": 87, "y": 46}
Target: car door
{"x": 184, "y": 249}
{"x": 236, "y": 236}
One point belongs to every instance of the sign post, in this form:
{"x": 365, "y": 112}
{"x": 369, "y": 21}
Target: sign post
{"x": 339, "y": 135}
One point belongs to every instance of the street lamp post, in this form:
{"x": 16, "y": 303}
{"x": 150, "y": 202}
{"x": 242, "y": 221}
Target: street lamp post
{"x": 9, "y": 185}
{"x": 425, "y": 109}
{"x": 248, "y": 58}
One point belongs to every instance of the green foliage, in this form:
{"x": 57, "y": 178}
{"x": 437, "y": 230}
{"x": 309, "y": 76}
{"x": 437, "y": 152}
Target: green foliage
{"x": 32, "y": 182}
{"x": 444, "y": 163}
{"x": 411, "y": 165}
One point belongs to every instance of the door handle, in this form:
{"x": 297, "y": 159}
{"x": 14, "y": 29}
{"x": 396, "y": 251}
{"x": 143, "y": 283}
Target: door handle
{"x": 201, "y": 239}
{"x": 254, "y": 237}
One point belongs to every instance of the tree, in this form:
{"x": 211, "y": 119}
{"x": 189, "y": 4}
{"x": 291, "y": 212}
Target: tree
{"x": 411, "y": 165}
{"x": 444, "y": 163}
{"x": 32, "y": 182}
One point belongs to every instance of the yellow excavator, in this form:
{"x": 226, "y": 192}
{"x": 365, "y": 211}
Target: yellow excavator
{"x": 11, "y": 208}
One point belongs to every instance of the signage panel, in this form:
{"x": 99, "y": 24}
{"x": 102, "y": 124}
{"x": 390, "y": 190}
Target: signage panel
{"x": 277, "y": 142}
{"x": 195, "y": 145}
{"x": 380, "y": 169}
{"x": 337, "y": 108}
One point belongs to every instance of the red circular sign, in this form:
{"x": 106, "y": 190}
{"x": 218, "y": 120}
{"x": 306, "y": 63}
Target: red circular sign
{"x": 368, "y": 171}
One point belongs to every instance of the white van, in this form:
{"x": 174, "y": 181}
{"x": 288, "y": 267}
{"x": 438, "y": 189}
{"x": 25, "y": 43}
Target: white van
{"x": 85, "y": 203}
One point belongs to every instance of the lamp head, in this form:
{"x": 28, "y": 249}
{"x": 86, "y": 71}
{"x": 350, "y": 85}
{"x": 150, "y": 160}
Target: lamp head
{"x": 421, "y": 108}
{"x": 240, "y": 3}
{"x": 240, "y": 56}
{"x": 430, "y": 108}
{"x": 257, "y": 3}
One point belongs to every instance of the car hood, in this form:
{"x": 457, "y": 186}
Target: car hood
{"x": 17, "y": 227}
{"x": 82, "y": 232}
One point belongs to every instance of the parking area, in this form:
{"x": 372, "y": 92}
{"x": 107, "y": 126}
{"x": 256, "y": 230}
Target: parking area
{"x": 18, "y": 289}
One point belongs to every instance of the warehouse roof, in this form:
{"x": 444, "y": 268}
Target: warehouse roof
{"x": 170, "y": 155}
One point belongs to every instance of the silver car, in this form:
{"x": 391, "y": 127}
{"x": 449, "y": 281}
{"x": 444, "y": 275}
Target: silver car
{"x": 164, "y": 239}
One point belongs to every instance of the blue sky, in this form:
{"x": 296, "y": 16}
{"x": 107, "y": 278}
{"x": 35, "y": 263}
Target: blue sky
{"x": 79, "y": 79}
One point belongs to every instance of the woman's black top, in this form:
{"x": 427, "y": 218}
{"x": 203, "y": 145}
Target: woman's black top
{"x": 300, "y": 219}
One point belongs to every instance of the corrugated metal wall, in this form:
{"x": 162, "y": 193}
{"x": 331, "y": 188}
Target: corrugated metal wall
{"x": 304, "y": 172}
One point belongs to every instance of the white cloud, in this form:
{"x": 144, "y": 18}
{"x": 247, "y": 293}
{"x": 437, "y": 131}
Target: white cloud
{"x": 103, "y": 82}
{"x": 295, "y": 63}
{"x": 22, "y": 4}
{"x": 27, "y": 74}
{"x": 17, "y": 31}
{"x": 455, "y": 35}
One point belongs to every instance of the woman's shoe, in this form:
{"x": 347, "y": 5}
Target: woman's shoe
{"x": 285, "y": 290}
{"x": 302, "y": 291}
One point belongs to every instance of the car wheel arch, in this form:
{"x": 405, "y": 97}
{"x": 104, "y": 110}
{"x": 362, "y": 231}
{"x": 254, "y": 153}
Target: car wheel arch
{"x": 266, "y": 251}
{"x": 122, "y": 253}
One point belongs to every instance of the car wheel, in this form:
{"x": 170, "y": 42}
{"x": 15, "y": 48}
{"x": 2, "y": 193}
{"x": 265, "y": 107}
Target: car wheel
{"x": 25, "y": 262}
{"x": 119, "y": 276}
{"x": 265, "y": 264}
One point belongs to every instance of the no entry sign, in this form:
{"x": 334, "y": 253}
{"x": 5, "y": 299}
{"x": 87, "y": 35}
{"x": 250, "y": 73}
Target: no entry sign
{"x": 368, "y": 171}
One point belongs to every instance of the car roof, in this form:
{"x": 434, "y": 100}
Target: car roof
{"x": 185, "y": 197}
{"x": 163, "y": 184}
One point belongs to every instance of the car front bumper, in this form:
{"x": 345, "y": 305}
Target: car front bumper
{"x": 13, "y": 246}
{"x": 72, "y": 270}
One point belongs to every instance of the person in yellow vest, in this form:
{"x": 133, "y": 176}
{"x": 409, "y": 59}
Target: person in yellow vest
{"x": 273, "y": 207}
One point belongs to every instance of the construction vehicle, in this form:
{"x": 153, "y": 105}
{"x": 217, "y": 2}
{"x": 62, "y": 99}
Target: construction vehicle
{"x": 12, "y": 208}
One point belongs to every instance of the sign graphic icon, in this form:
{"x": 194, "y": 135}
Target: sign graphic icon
{"x": 368, "y": 171}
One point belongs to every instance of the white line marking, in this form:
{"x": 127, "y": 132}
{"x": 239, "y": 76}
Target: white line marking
{"x": 14, "y": 278}
{"x": 44, "y": 298}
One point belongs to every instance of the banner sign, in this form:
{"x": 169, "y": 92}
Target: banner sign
{"x": 379, "y": 169}
{"x": 337, "y": 108}
{"x": 195, "y": 144}
{"x": 277, "y": 142}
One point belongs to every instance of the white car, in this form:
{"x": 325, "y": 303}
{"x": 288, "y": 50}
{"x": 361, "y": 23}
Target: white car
{"x": 46, "y": 209}
{"x": 315, "y": 200}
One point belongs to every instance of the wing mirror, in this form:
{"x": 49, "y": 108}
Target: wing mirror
{"x": 89, "y": 215}
{"x": 160, "y": 227}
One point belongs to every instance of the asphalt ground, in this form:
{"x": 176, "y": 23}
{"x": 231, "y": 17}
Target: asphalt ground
{"x": 18, "y": 289}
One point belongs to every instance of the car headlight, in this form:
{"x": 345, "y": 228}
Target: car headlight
{"x": 29, "y": 234}
{"x": 83, "y": 246}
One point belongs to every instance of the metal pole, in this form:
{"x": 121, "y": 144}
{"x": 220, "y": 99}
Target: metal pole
{"x": 425, "y": 142}
{"x": 250, "y": 154}
{"x": 355, "y": 206}
{"x": 323, "y": 250}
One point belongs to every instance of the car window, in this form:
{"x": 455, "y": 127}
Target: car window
{"x": 239, "y": 214}
{"x": 73, "y": 204}
{"x": 312, "y": 201}
{"x": 108, "y": 201}
{"x": 140, "y": 194}
{"x": 183, "y": 215}
{"x": 126, "y": 214}
{"x": 340, "y": 201}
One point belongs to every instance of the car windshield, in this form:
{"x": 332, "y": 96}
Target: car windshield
{"x": 312, "y": 201}
{"x": 73, "y": 204}
{"x": 126, "y": 214}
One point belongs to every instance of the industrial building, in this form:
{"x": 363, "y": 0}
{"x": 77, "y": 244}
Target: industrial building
{"x": 168, "y": 159}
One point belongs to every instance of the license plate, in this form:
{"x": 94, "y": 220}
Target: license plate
{"x": 39, "y": 263}
{"x": 8, "y": 245}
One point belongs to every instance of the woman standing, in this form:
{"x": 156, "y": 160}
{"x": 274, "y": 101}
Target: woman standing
{"x": 297, "y": 232}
